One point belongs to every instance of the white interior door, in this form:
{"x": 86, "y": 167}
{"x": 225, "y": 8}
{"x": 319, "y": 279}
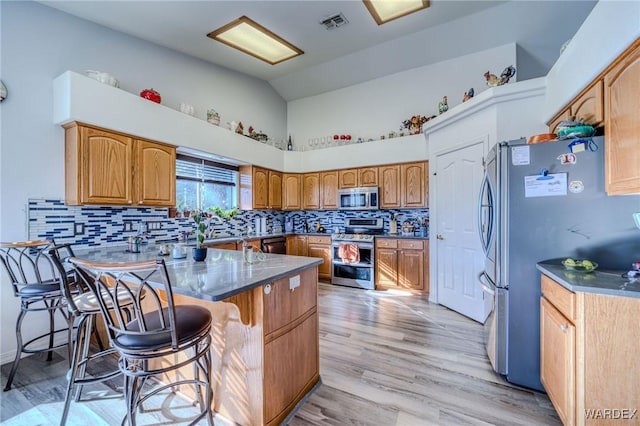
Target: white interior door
{"x": 459, "y": 254}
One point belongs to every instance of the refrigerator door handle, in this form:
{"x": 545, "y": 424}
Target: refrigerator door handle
{"x": 485, "y": 214}
{"x": 486, "y": 284}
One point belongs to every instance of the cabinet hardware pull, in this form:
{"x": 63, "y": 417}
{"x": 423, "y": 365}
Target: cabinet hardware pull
{"x": 564, "y": 327}
{"x": 439, "y": 237}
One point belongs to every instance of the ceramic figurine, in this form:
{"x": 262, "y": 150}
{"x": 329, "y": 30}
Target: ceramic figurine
{"x": 493, "y": 80}
{"x": 240, "y": 128}
{"x": 442, "y": 105}
{"x": 468, "y": 95}
{"x": 213, "y": 117}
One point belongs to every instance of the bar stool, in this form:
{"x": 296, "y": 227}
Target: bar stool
{"x": 36, "y": 282}
{"x": 83, "y": 308}
{"x": 158, "y": 328}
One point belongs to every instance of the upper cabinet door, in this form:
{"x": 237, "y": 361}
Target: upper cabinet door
{"x": 368, "y": 176}
{"x": 275, "y": 190}
{"x": 390, "y": 186}
{"x": 329, "y": 190}
{"x": 622, "y": 129}
{"x": 348, "y": 178}
{"x": 291, "y": 191}
{"x": 414, "y": 184}
{"x": 155, "y": 174}
{"x": 260, "y": 188}
{"x": 589, "y": 107}
{"x": 311, "y": 191}
{"x": 106, "y": 169}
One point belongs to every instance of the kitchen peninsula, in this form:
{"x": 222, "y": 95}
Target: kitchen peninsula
{"x": 265, "y": 326}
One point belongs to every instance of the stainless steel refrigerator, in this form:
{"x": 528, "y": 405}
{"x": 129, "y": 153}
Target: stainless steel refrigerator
{"x": 540, "y": 202}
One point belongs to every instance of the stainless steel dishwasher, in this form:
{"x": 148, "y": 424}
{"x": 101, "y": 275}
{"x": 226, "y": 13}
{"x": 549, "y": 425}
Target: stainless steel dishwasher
{"x": 276, "y": 245}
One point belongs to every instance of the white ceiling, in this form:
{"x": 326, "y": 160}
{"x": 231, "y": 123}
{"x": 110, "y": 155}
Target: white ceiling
{"x": 353, "y": 53}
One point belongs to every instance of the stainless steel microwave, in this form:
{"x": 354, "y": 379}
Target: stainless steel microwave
{"x": 365, "y": 198}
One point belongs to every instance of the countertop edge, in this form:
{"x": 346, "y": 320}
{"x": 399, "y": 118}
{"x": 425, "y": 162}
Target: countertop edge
{"x": 587, "y": 289}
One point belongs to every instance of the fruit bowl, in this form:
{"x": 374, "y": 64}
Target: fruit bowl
{"x": 580, "y": 265}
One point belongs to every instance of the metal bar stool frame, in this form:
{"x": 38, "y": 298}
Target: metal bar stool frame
{"x": 157, "y": 329}
{"x": 83, "y": 309}
{"x": 35, "y": 281}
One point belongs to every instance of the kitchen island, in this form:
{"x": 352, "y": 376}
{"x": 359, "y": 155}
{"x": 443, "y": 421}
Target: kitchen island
{"x": 265, "y": 326}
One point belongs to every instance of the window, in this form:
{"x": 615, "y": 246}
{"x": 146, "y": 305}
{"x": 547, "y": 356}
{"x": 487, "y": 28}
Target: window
{"x": 203, "y": 183}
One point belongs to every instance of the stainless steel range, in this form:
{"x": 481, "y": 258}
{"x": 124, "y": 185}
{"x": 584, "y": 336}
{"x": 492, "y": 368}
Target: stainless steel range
{"x": 352, "y": 257}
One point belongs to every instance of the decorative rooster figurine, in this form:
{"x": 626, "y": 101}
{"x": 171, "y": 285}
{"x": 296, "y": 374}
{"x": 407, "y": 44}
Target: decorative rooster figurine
{"x": 493, "y": 80}
{"x": 468, "y": 95}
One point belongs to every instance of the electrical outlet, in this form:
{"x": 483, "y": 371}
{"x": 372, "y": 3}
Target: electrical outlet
{"x": 294, "y": 282}
{"x": 127, "y": 226}
{"x": 78, "y": 229}
{"x": 636, "y": 218}
{"x": 154, "y": 226}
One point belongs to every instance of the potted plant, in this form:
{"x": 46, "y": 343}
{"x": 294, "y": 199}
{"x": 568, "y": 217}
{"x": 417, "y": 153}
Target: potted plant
{"x": 199, "y": 252}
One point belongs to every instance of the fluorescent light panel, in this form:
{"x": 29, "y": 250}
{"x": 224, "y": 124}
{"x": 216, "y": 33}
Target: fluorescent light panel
{"x": 252, "y": 38}
{"x": 384, "y": 11}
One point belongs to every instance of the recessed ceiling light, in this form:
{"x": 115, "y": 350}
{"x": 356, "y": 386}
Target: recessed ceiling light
{"x": 384, "y": 11}
{"x": 252, "y": 38}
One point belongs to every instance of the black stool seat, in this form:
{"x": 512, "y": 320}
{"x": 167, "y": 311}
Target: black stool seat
{"x": 191, "y": 322}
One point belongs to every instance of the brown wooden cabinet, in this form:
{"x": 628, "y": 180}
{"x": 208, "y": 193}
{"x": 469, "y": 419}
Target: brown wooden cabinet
{"x": 329, "y": 190}
{"x": 297, "y": 245}
{"x": 368, "y": 176}
{"x": 291, "y": 191}
{"x": 587, "y": 107}
{"x": 587, "y": 354}
{"x": 275, "y": 190}
{"x": 402, "y": 264}
{"x": 404, "y": 185}
{"x": 291, "y": 350}
{"x": 414, "y": 184}
{"x": 622, "y": 117}
{"x": 111, "y": 168}
{"x": 311, "y": 191}
{"x": 320, "y": 246}
{"x": 353, "y": 178}
{"x": 557, "y": 360}
{"x": 390, "y": 188}
{"x": 611, "y": 99}
{"x": 260, "y": 188}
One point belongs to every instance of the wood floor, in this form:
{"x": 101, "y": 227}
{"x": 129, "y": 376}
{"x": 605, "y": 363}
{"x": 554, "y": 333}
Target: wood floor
{"x": 385, "y": 359}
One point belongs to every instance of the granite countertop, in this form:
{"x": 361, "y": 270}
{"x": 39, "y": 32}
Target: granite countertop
{"x": 599, "y": 281}
{"x": 223, "y": 274}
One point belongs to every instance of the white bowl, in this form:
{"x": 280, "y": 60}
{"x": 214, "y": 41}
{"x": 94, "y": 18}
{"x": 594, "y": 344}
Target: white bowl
{"x": 102, "y": 77}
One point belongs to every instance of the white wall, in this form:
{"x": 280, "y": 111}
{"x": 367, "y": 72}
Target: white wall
{"x": 39, "y": 44}
{"x": 379, "y": 106}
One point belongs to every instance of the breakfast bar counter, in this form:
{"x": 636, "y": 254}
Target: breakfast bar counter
{"x": 265, "y": 326}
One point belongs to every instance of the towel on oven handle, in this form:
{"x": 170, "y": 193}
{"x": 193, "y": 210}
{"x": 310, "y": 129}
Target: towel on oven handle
{"x": 349, "y": 252}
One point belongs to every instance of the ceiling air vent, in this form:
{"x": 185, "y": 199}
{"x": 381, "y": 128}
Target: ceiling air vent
{"x": 334, "y": 21}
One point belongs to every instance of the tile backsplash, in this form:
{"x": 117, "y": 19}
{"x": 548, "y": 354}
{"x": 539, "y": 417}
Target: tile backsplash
{"x": 87, "y": 226}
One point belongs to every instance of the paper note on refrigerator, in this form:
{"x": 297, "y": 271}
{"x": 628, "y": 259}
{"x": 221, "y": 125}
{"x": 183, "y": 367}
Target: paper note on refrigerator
{"x": 545, "y": 186}
{"x": 520, "y": 155}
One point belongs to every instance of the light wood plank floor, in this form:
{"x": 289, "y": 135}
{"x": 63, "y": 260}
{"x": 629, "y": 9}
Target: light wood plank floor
{"x": 385, "y": 359}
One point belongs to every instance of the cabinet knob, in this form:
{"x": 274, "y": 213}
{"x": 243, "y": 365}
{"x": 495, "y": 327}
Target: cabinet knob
{"x": 140, "y": 202}
{"x": 267, "y": 289}
{"x": 129, "y": 202}
{"x": 564, "y": 328}
{"x": 439, "y": 237}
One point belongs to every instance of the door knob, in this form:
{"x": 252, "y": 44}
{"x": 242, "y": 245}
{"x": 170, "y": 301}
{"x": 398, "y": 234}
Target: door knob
{"x": 439, "y": 237}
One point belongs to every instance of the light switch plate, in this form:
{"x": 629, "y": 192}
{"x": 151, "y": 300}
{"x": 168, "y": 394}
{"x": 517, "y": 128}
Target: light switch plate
{"x": 636, "y": 218}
